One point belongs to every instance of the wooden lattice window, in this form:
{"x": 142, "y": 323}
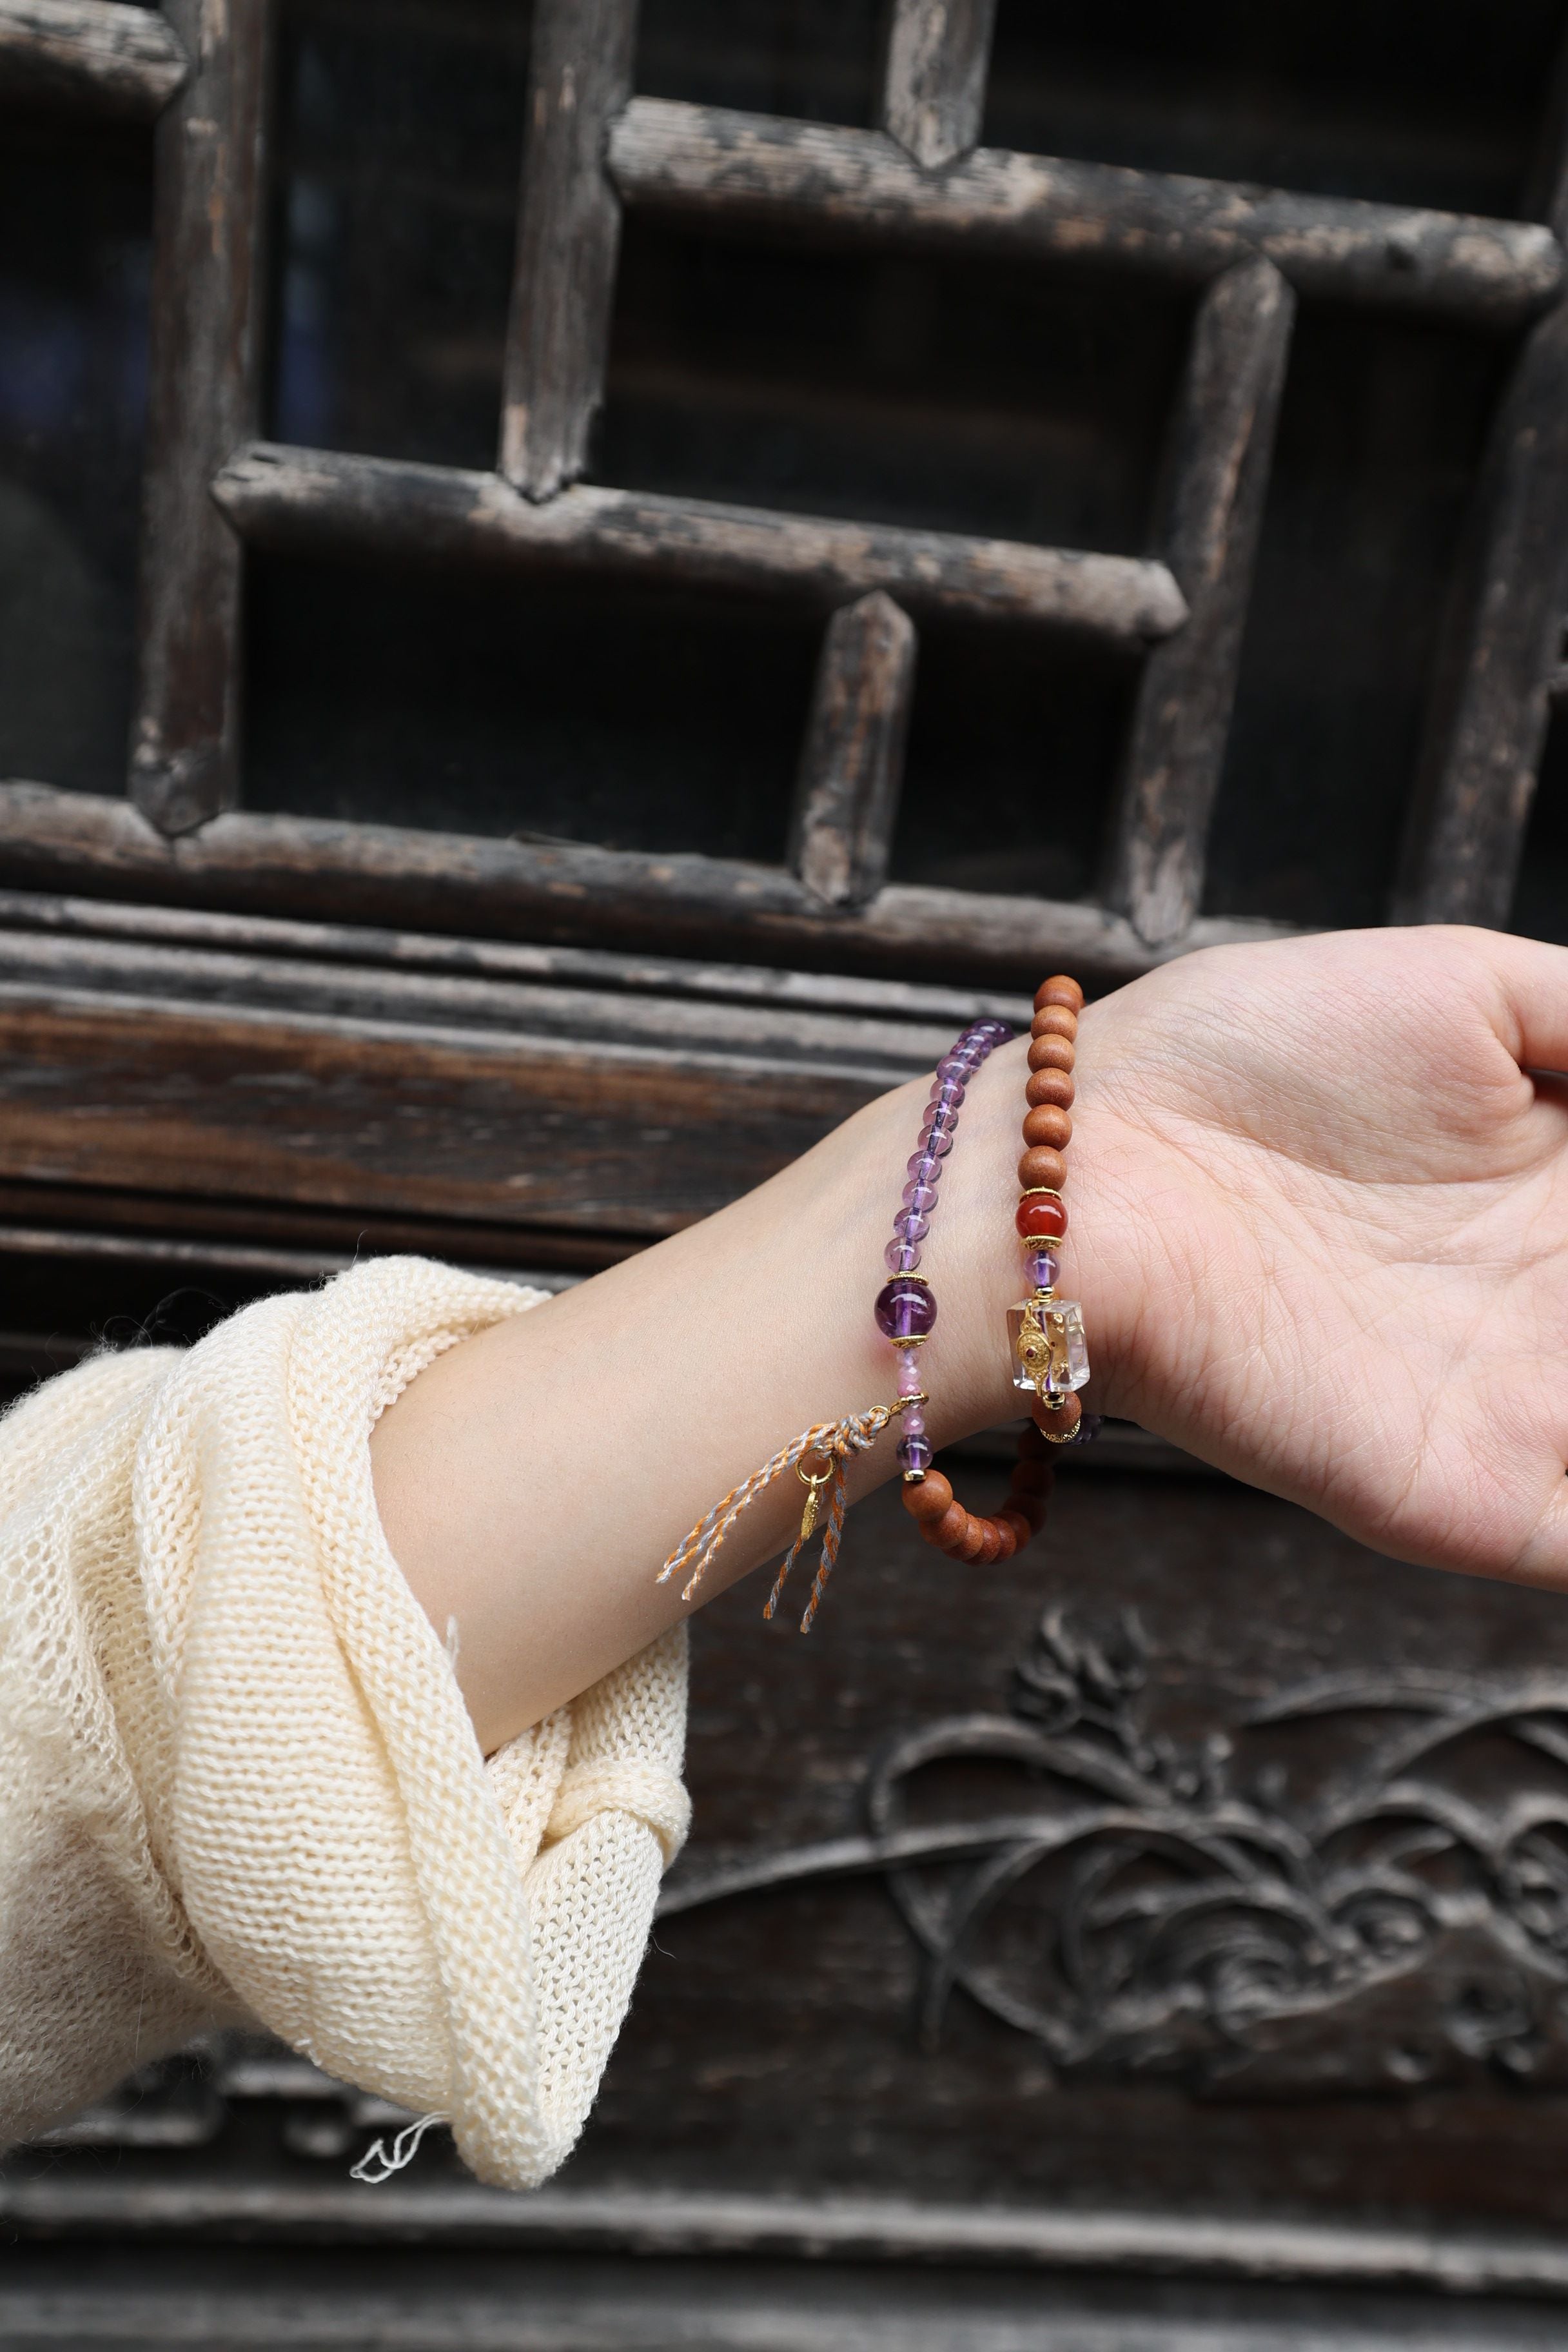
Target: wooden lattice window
{"x": 815, "y": 523}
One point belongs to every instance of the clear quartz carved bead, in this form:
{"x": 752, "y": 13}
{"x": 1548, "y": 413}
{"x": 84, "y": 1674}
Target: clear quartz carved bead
{"x": 1046, "y": 1342}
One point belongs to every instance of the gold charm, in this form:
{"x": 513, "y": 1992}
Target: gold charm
{"x": 813, "y": 1482}
{"x": 1042, "y": 1352}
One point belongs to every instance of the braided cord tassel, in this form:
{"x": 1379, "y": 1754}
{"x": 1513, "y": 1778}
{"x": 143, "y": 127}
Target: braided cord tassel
{"x": 793, "y": 1554}
{"x": 836, "y": 1439}
{"x": 830, "y": 1543}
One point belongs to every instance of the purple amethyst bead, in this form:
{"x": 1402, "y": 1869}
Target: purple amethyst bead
{"x": 935, "y": 1144}
{"x": 919, "y": 1196}
{"x": 910, "y": 1226}
{"x": 901, "y": 1256}
{"x": 923, "y": 1169}
{"x": 914, "y": 1454}
{"x": 904, "y": 1309}
{"x": 1043, "y": 1268}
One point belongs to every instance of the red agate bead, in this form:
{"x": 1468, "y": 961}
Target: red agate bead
{"x": 1041, "y": 1217}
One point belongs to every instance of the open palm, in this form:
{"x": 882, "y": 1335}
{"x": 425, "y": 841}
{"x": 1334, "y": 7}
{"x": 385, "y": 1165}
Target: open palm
{"x": 1338, "y": 1207}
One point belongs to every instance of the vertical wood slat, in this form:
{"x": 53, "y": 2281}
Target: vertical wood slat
{"x": 206, "y": 303}
{"x": 568, "y": 238}
{"x": 1216, "y": 471}
{"x": 1498, "y": 652}
{"x": 852, "y": 766}
{"x": 933, "y": 75}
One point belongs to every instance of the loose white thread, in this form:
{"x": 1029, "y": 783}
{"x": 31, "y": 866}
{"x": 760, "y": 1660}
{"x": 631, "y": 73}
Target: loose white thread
{"x": 405, "y": 2148}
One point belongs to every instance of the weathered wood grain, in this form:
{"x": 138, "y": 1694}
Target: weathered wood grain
{"x": 205, "y": 306}
{"x": 446, "y": 882}
{"x": 852, "y": 765}
{"x": 1218, "y": 466}
{"x": 178, "y": 1098}
{"x": 785, "y": 994}
{"x": 51, "y": 2197}
{"x": 1502, "y": 635}
{"x": 273, "y": 1243}
{"x": 95, "y": 54}
{"x": 860, "y": 184}
{"x": 555, "y": 1014}
{"x": 314, "y": 501}
{"x": 580, "y": 76}
{"x": 933, "y": 77}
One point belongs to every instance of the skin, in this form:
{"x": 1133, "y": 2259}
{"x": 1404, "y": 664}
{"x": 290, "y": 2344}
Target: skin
{"x": 1320, "y": 1229}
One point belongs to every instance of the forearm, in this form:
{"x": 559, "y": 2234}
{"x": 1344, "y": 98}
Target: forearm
{"x": 532, "y": 1481}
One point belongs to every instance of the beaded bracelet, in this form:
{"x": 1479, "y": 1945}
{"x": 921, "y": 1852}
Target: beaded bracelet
{"x": 1045, "y": 1333}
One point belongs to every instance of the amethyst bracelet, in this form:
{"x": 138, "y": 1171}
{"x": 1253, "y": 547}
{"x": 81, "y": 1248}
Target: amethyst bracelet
{"x": 906, "y": 1308}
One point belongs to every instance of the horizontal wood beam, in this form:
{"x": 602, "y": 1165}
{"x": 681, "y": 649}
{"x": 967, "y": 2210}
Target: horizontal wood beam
{"x": 877, "y": 1047}
{"x": 902, "y": 1002}
{"x": 853, "y": 764}
{"x": 92, "y": 53}
{"x": 52, "y": 2201}
{"x": 319, "y": 503}
{"x": 933, "y": 77}
{"x": 753, "y": 169}
{"x": 702, "y": 907}
{"x": 182, "y": 1096}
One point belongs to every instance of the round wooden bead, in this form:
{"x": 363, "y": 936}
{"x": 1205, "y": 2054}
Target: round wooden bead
{"x": 1010, "y": 1516}
{"x": 1047, "y": 1123}
{"x": 1042, "y": 1219}
{"x": 928, "y": 1497}
{"x": 1049, "y": 1087}
{"x": 1041, "y": 1165}
{"x": 990, "y": 1542}
{"x": 1030, "y": 1509}
{"x": 1006, "y": 1537}
{"x": 1032, "y": 1446}
{"x": 948, "y": 1528}
{"x": 972, "y": 1543}
{"x": 1061, "y": 1424}
{"x": 1051, "y": 1054}
{"x": 1055, "y": 1021}
{"x": 1059, "y": 991}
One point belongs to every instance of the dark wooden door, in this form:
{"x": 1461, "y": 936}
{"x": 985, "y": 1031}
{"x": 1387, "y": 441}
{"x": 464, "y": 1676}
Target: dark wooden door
{"x": 900, "y": 501}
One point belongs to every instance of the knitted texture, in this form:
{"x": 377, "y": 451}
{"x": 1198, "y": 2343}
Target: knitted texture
{"x": 237, "y": 1779}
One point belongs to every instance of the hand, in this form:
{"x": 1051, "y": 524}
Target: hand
{"x": 1320, "y": 1225}
{"x": 1320, "y": 1228}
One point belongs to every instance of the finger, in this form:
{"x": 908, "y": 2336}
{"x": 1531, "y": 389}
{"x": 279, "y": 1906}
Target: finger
{"x": 1534, "y": 978}
{"x": 1544, "y": 1559}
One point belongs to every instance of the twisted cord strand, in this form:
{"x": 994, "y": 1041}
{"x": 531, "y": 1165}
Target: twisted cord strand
{"x": 838, "y": 1439}
{"x": 830, "y": 1542}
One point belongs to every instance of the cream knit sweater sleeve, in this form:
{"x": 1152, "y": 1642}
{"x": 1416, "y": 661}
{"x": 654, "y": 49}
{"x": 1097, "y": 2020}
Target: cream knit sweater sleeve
{"x": 237, "y": 1780}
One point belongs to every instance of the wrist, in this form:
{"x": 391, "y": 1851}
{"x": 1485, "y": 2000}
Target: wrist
{"x": 976, "y": 1262}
